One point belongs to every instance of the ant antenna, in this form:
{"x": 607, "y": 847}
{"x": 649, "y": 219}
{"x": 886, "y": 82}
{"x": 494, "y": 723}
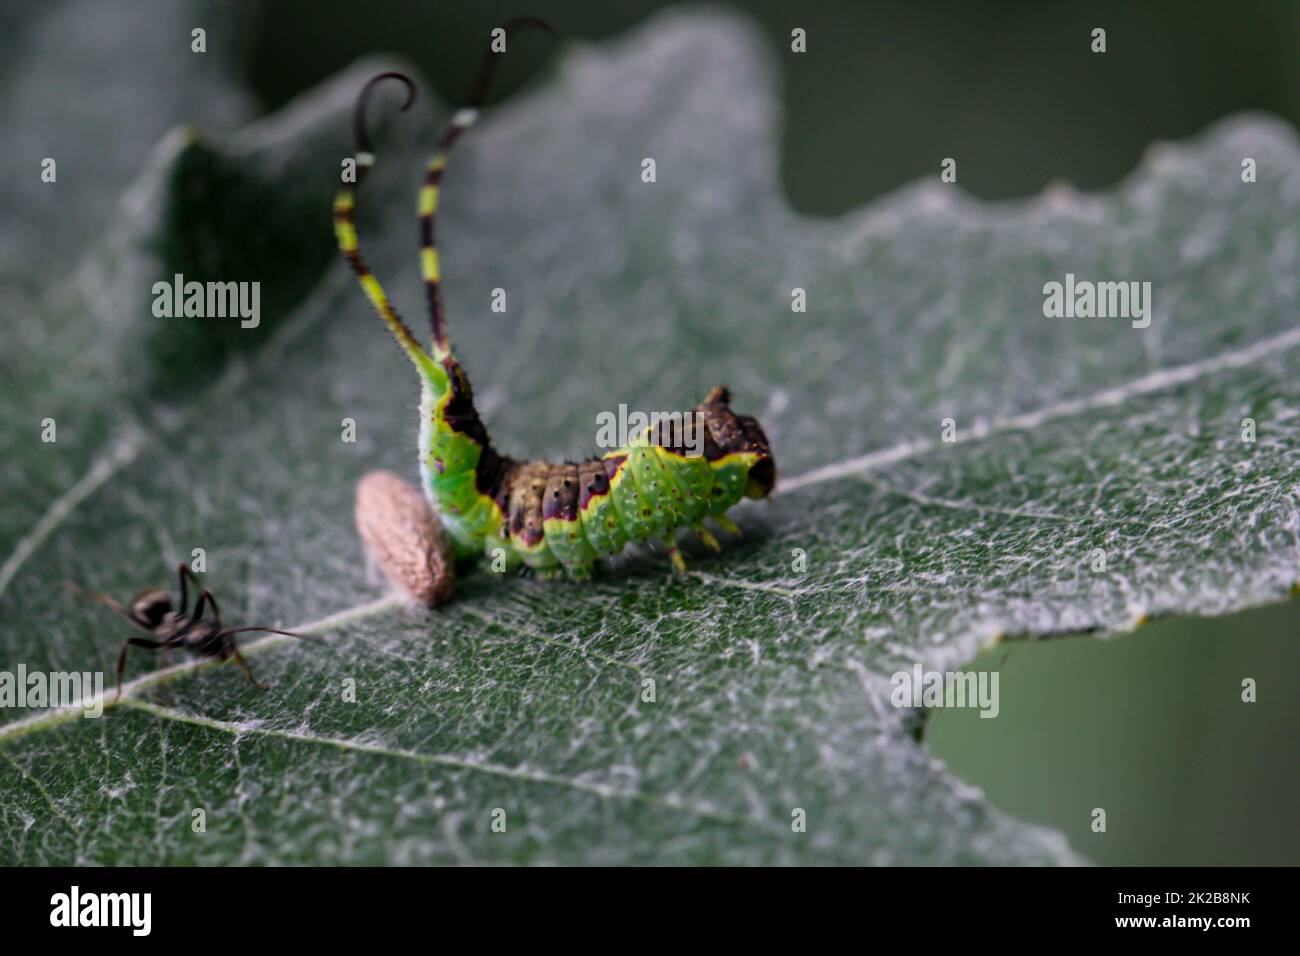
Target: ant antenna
{"x": 271, "y": 630}
{"x": 101, "y": 598}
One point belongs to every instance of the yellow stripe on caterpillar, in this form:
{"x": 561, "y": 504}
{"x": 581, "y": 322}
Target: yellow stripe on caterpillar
{"x": 745, "y": 459}
{"x": 375, "y": 293}
{"x": 347, "y": 236}
{"x": 429, "y": 264}
{"x": 428, "y": 200}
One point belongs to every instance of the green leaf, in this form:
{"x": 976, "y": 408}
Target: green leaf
{"x": 771, "y": 685}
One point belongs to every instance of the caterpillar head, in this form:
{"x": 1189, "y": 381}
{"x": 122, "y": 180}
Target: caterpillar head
{"x": 732, "y": 434}
{"x": 762, "y": 473}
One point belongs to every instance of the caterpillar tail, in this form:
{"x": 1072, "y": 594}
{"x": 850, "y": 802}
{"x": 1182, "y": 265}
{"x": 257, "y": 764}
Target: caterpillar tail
{"x": 461, "y": 120}
{"x": 345, "y": 232}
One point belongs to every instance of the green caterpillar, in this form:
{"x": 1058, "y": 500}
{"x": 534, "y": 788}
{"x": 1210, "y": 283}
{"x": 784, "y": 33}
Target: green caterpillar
{"x": 555, "y": 518}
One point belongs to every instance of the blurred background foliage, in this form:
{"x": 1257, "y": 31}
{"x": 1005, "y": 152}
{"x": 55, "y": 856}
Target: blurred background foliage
{"x": 887, "y": 88}
{"x": 1148, "y": 728}
{"x": 1151, "y": 729}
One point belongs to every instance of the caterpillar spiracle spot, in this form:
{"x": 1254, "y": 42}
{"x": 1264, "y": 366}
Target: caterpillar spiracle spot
{"x": 557, "y": 518}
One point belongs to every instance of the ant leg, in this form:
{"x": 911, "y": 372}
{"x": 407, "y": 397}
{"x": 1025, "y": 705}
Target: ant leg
{"x": 206, "y": 597}
{"x": 212, "y": 599}
{"x": 183, "y": 571}
{"x": 198, "y": 611}
{"x": 121, "y": 657}
{"x": 243, "y": 665}
{"x": 230, "y": 650}
{"x": 187, "y": 574}
{"x": 121, "y": 666}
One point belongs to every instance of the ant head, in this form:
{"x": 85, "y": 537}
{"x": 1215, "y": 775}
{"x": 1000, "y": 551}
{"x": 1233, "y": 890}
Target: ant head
{"x": 151, "y": 606}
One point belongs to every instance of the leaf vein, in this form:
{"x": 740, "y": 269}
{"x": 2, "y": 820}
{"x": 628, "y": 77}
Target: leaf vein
{"x": 1028, "y": 421}
{"x": 604, "y": 791}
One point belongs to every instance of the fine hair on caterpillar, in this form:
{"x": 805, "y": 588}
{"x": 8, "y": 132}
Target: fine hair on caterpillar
{"x": 556, "y": 518}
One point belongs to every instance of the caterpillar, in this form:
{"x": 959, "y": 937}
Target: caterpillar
{"x": 556, "y": 518}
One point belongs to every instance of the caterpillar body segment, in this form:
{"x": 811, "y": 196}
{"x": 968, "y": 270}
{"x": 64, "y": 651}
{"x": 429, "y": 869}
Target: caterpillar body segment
{"x": 553, "y": 517}
{"x": 563, "y": 516}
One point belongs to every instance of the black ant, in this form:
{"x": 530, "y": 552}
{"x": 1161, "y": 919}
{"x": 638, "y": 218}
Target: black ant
{"x": 151, "y": 610}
